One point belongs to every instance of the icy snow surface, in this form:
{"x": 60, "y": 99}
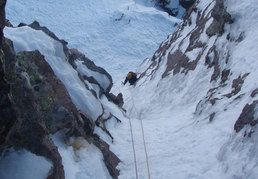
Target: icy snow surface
{"x": 87, "y": 162}
{"x": 181, "y": 144}
{"x": 23, "y": 164}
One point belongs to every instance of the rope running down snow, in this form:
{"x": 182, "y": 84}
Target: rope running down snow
{"x": 135, "y": 164}
{"x": 145, "y": 148}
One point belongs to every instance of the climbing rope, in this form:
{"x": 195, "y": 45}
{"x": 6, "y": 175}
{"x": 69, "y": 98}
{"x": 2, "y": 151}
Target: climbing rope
{"x": 135, "y": 164}
{"x": 143, "y": 138}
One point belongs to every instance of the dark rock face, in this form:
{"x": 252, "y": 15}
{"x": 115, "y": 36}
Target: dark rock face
{"x": 74, "y": 54}
{"x": 221, "y": 16}
{"x": 35, "y": 103}
{"x": 213, "y": 62}
{"x": 163, "y": 4}
{"x": 37, "y": 109}
{"x": 174, "y": 12}
{"x": 110, "y": 159}
{"x": 248, "y": 116}
{"x": 2, "y": 19}
{"x": 178, "y": 61}
{"x": 8, "y": 119}
{"x": 44, "y": 107}
{"x": 44, "y": 90}
{"x": 117, "y": 99}
{"x": 224, "y": 75}
{"x": 32, "y": 135}
{"x": 186, "y": 3}
{"x": 237, "y": 85}
{"x": 254, "y": 93}
{"x": 8, "y": 23}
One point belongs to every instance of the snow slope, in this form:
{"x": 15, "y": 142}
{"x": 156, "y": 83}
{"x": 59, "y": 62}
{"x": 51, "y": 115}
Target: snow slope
{"x": 181, "y": 138}
{"x": 116, "y": 34}
{"x": 188, "y": 136}
{"x": 23, "y": 164}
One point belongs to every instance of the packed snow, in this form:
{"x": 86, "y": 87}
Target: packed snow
{"x": 80, "y": 159}
{"x": 23, "y": 164}
{"x": 116, "y": 35}
{"x": 181, "y": 142}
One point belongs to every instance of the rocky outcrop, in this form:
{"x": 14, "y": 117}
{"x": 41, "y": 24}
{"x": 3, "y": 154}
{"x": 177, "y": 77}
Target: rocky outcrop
{"x": 164, "y": 4}
{"x": 187, "y": 3}
{"x": 45, "y": 94}
{"x": 118, "y": 100}
{"x": 74, "y": 54}
{"x": 8, "y": 118}
{"x": 220, "y": 18}
{"x": 41, "y": 102}
{"x": 177, "y": 59}
{"x": 44, "y": 107}
{"x": 186, "y": 48}
{"x": 247, "y": 117}
{"x": 35, "y": 103}
{"x": 110, "y": 159}
{"x": 32, "y": 135}
{"x": 2, "y": 19}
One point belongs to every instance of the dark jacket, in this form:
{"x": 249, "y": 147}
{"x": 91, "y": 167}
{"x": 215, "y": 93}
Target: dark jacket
{"x": 131, "y": 77}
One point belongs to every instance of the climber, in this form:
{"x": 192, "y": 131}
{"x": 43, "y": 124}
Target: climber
{"x": 131, "y": 77}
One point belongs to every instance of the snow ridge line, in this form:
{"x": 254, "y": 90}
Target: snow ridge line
{"x": 143, "y": 138}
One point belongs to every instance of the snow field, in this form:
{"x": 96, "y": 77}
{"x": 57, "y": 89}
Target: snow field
{"x": 23, "y": 164}
{"x": 116, "y": 35}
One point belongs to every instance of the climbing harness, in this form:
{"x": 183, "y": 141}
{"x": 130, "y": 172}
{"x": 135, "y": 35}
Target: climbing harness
{"x": 142, "y": 129}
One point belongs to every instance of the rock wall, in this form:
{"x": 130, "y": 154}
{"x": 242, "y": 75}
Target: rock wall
{"x": 34, "y": 103}
{"x": 8, "y": 118}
